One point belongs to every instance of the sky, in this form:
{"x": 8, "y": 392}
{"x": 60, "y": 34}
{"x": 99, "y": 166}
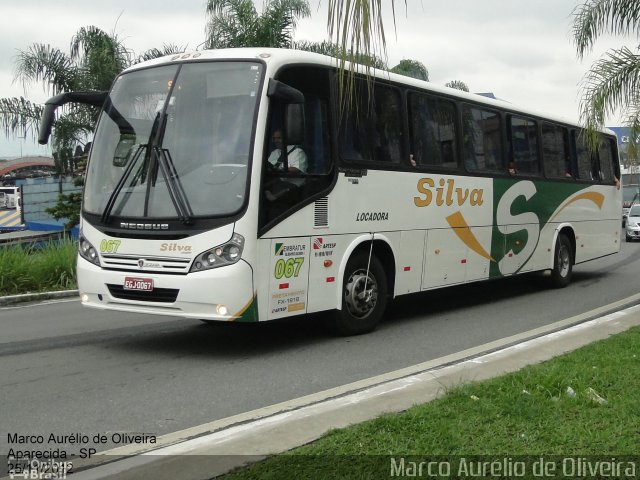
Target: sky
{"x": 521, "y": 50}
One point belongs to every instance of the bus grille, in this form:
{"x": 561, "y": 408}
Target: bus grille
{"x": 152, "y": 264}
{"x": 161, "y": 295}
{"x": 321, "y": 213}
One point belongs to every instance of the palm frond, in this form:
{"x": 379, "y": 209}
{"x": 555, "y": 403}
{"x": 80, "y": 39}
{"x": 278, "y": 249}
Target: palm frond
{"x": 100, "y": 57}
{"x": 357, "y": 27}
{"x": 595, "y": 17}
{"x": 167, "y": 49}
{"x": 19, "y": 116}
{"x": 50, "y": 66}
{"x": 611, "y": 84}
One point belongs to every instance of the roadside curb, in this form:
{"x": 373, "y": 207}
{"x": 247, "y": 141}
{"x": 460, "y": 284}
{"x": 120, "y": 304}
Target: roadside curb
{"x": 212, "y": 449}
{"x": 35, "y": 297}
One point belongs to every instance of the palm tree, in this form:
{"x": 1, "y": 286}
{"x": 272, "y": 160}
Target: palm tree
{"x": 357, "y": 27}
{"x": 613, "y": 82}
{"x": 334, "y": 50}
{"x": 167, "y": 49}
{"x": 93, "y": 61}
{"x": 412, "y": 68}
{"x": 236, "y": 23}
{"x": 457, "y": 84}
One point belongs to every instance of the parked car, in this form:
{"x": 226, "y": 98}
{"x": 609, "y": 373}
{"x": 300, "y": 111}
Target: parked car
{"x": 633, "y": 223}
{"x": 630, "y": 196}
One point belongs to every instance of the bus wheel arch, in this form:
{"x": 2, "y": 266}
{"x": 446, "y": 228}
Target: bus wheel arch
{"x": 564, "y": 257}
{"x": 366, "y": 286}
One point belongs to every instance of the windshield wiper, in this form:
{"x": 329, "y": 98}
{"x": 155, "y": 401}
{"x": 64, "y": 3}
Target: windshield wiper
{"x": 106, "y": 214}
{"x": 174, "y": 185}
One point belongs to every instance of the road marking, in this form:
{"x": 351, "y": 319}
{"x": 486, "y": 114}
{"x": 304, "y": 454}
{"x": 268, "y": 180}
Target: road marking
{"x": 39, "y": 304}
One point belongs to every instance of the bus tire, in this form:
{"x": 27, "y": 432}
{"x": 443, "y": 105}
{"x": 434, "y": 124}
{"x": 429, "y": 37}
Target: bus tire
{"x": 562, "y": 262}
{"x": 362, "y": 306}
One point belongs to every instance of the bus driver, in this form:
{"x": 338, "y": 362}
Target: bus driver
{"x": 296, "y": 161}
{"x": 296, "y": 158}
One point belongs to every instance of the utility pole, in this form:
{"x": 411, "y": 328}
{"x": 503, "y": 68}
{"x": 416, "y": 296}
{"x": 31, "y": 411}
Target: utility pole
{"x": 22, "y": 139}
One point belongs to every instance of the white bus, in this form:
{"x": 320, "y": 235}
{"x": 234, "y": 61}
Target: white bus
{"x": 9, "y": 197}
{"x": 414, "y": 187}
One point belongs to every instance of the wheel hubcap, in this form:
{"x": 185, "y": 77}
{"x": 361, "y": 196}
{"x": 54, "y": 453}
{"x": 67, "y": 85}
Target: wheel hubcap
{"x": 563, "y": 260}
{"x": 361, "y": 293}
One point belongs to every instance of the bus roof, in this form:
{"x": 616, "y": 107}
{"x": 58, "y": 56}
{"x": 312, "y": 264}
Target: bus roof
{"x": 276, "y": 58}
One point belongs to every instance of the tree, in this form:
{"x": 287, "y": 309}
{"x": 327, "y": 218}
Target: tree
{"x": 95, "y": 58}
{"x": 412, "y": 68}
{"x": 613, "y": 82}
{"x": 167, "y": 49}
{"x": 93, "y": 61}
{"x": 236, "y": 23}
{"x": 357, "y": 27}
{"x": 458, "y": 84}
{"x": 334, "y": 50}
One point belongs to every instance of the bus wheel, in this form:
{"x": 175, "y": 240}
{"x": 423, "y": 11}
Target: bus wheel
{"x": 562, "y": 262}
{"x": 364, "y": 296}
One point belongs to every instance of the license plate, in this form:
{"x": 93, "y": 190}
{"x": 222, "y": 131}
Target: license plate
{"x": 136, "y": 283}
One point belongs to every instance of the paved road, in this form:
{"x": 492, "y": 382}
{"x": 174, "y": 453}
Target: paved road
{"x": 66, "y": 370}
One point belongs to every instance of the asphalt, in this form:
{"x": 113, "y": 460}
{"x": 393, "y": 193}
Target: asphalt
{"x": 215, "y": 448}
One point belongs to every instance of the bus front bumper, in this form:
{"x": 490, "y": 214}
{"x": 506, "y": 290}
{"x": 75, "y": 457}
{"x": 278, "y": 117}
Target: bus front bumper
{"x": 224, "y": 293}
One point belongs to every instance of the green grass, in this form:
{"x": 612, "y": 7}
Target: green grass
{"x": 38, "y": 269}
{"x": 527, "y": 413}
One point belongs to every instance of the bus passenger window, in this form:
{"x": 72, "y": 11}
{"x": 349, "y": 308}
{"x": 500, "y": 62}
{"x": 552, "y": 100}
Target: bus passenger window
{"x": 433, "y": 135}
{"x": 372, "y": 130}
{"x": 524, "y": 146}
{"x": 605, "y": 158}
{"x": 482, "y": 141}
{"x": 555, "y": 152}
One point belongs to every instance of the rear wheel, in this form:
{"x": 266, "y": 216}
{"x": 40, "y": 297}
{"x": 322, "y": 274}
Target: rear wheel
{"x": 562, "y": 262}
{"x": 364, "y": 296}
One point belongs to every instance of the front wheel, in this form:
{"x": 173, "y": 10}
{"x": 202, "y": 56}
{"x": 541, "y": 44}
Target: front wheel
{"x": 364, "y": 296}
{"x": 562, "y": 262}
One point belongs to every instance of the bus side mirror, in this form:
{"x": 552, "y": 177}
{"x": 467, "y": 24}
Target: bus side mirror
{"x": 46, "y": 123}
{"x": 48, "y": 114}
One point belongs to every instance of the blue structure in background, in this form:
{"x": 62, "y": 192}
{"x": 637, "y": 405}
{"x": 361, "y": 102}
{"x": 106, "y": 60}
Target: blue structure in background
{"x": 38, "y": 194}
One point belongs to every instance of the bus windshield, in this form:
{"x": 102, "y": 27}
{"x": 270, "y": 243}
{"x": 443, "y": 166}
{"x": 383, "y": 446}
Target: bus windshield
{"x": 174, "y": 142}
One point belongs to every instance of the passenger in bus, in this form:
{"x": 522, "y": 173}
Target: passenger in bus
{"x": 296, "y": 163}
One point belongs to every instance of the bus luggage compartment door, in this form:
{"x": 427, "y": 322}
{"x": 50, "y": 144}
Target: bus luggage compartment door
{"x": 289, "y": 277}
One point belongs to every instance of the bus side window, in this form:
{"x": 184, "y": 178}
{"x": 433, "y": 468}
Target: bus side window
{"x": 583, "y": 158}
{"x": 482, "y": 140}
{"x": 372, "y": 129}
{"x": 555, "y": 152}
{"x": 605, "y": 160}
{"x": 524, "y": 146}
{"x": 433, "y": 135}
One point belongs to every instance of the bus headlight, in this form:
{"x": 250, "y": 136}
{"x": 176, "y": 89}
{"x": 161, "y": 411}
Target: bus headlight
{"x": 87, "y": 251}
{"x": 226, "y": 254}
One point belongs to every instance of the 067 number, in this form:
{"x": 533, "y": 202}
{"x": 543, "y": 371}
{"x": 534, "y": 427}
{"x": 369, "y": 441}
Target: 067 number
{"x": 289, "y": 268}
